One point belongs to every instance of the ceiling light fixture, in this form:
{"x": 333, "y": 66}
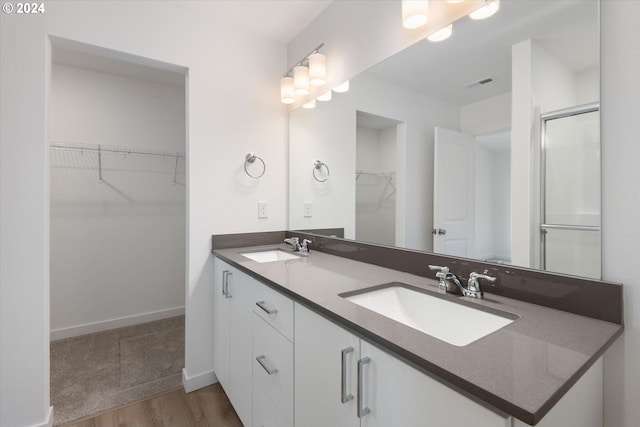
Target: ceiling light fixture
{"x": 489, "y": 9}
{"x": 342, "y": 87}
{"x": 309, "y": 70}
{"x": 441, "y": 34}
{"x": 415, "y": 13}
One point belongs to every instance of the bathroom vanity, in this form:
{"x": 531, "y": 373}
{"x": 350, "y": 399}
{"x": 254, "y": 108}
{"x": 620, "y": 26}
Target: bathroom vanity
{"x": 287, "y": 325}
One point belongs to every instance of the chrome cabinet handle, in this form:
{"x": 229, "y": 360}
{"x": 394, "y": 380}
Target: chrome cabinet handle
{"x": 225, "y": 283}
{"x": 266, "y": 309}
{"x": 344, "y": 397}
{"x": 262, "y": 360}
{"x": 362, "y": 410}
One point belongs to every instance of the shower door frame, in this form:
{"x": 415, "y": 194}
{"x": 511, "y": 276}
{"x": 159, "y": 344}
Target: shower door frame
{"x": 544, "y": 118}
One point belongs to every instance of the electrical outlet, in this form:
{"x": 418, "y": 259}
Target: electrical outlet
{"x": 308, "y": 211}
{"x": 263, "y": 209}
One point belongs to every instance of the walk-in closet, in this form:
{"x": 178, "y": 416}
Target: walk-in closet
{"x": 118, "y": 225}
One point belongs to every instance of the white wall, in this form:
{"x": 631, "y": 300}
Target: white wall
{"x": 490, "y": 115}
{"x": 329, "y": 131}
{"x": 117, "y": 245}
{"x": 233, "y": 108}
{"x": 621, "y": 200}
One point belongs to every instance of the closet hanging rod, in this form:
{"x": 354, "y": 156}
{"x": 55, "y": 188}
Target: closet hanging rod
{"x": 107, "y": 149}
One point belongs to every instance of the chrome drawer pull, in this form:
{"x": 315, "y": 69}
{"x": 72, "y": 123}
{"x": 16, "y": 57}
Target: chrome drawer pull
{"x": 344, "y": 397}
{"x": 225, "y": 283}
{"x": 362, "y": 411}
{"x": 266, "y": 309}
{"x": 262, "y": 360}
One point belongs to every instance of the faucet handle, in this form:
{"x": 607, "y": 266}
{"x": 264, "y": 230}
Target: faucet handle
{"x": 473, "y": 285}
{"x": 442, "y": 271}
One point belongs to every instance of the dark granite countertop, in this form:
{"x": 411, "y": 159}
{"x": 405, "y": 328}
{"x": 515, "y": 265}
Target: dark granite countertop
{"x": 522, "y": 369}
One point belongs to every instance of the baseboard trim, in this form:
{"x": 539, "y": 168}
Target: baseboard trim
{"x": 105, "y": 325}
{"x": 48, "y": 421}
{"x": 197, "y": 381}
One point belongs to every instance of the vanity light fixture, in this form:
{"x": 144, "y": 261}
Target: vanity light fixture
{"x": 455, "y": 1}
{"x": 441, "y": 34}
{"x": 342, "y": 87}
{"x": 415, "y": 13}
{"x": 309, "y": 70}
{"x": 317, "y": 69}
{"x": 489, "y": 9}
{"x": 301, "y": 80}
{"x": 287, "y": 96}
{"x": 309, "y": 105}
{"x": 325, "y": 96}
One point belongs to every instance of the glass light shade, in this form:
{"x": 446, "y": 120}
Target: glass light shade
{"x": 287, "y": 96}
{"x": 317, "y": 69}
{"x": 455, "y": 1}
{"x": 310, "y": 105}
{"x": 441, "y": 34}
{"x": 342, "y": 87}
{"x": 415, "y": 13}
{"x": 486, "y": 11}
{"x": 325, "y": 96}
{"x": 301, "y": 80}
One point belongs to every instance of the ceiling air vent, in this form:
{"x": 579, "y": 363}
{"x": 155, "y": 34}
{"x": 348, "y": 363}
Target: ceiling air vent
{"x": 481, "y": 82}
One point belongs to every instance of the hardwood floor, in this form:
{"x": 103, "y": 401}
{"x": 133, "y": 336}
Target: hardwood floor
{"x": 207, "y": 407}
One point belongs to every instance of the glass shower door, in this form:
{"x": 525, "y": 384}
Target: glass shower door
{"x": 570, "y": 218}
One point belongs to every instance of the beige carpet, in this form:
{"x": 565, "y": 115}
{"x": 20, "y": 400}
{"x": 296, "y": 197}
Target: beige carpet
{"x": 95, "y": 372}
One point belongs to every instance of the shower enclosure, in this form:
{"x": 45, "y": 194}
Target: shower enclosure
{"x": 570, "y": 191}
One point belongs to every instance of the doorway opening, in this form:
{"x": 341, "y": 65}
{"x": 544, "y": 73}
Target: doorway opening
{"x": 376, "y": 178}
{"x": 118, "y": 227}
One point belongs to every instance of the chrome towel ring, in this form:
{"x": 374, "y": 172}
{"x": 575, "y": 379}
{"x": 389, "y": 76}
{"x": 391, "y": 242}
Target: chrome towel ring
{"x": 249, "y": 159}
{"x": 317, "y": 166}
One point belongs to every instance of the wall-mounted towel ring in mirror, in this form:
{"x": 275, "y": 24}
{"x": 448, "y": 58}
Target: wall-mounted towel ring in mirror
{"x": 317, "y": 165}
{"x": 249, "y": 159}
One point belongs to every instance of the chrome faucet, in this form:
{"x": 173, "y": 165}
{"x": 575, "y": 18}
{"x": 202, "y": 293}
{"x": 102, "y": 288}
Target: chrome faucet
{"x": 294, "y": 242}
{"x": 451, "y": 283}
{"x": 448, "y": 282}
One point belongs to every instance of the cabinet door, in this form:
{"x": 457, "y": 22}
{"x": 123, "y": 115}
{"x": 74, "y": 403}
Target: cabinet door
{"x": 240, "y": 295}
{"x": 221, "y": 323}
{"x": 399, "y": 395}
{"x": 320, "y": 397}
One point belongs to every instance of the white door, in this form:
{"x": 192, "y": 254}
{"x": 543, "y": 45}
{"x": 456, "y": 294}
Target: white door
{"x": 453, "y": 193}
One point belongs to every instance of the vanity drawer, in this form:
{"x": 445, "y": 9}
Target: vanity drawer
{"x": 276, "y": 309}
{"x": 265, "y": 413}
{"x": 273, "y": 366}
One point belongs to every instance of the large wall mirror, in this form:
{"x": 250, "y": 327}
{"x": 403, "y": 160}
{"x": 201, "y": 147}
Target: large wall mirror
{"x": 484, "y": 146}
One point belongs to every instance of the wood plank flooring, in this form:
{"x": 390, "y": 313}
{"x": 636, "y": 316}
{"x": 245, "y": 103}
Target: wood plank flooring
{"x": 207, "y": 407}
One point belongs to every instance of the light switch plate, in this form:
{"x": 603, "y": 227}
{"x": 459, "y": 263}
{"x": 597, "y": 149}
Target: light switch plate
{"x": 263, "y": 209}
{"x": 308, "y": 209}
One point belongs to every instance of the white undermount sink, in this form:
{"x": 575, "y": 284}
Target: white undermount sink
{"x": 454, "y": 323}
{"x": 270, "y": 255}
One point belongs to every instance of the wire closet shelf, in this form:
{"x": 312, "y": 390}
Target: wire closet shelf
{"x": 99, "y": 150}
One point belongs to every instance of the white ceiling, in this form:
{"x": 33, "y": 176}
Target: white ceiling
{"x": 277, "y": 20}
{"x": 568, "y": 29}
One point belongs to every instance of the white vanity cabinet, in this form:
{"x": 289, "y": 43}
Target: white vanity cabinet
{"x": 253, "y": 347}
{"x": 234, "y": 299}
{"x": 343, "y": 380}
{"x": 284, "y": 365}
